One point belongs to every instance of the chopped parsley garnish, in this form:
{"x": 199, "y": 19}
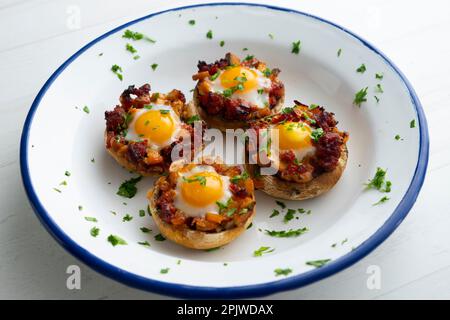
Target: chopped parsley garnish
{"x": 262, "y": 250}
{"x": 225, "y": 208}
{"x": 128, "y": 188}
{"x": 244, "y": 49}
{"x": 290, "y": 214}
{"x": 136, "y": 57}
{"x": 286, "y": 234}
{"x": 86, "y": 109}
{"x": 164, "y": 111}
{"x": 192, "y": 22}
{"x": 397, "y": 137}
{"x": 192, "y": 119}
{"x": 339, "y": 52}
{"x": 144, "y": 243}
{"x": 313, "y": 106}
{"x": 361, "y": 68}
{"x": 282, "y": 272}
{"x": 227, "y": 93}
{"x": 130, "y": 48}
{"x": 378, "y": 88}
{"x": 63, "y": 183}
{"x": 159, "y": 237}
{"x": 145, "y": 230}
{"x": 93, "y": 160}
{"x": 222, "y": 43}
{"x": 154, "y": 66}
{"x": 377, "y": 99}
{"x": 67, "y": 174}
{"x": 141, "y": 213}
{"x": 379, "y": 76}
{"x": 250, "y": 225}
{"x": 267, "y": 72}
{"x": 249, "y": 57}
{"x": 379, "y": 182}
{"x": 209, "y": 34}
{"x": 412, "y": 124}
{"x": 127, "y": 218}
{"x": 318, "y": 263}
{"x": 164, "y": 271}
{"x": 281, "y": 204}
{"x": 239, "y": 177}
{"x": 90, "y": 219}
{"x": 271, "y": 36}
{"x": 382, "y": 200}
{"x": 178, "y": 262}
{"x": 136, "y": 36}
{"x": 360, "y": 97}
{"x": 287, "y": 110}
{"x": 200, "y": 179}
{"x": 274, "y": 213}
{"x": 128, "y": 34}
{"x": 94, "y": 232}
{"x": 296, "y": 46}
{"x": 80, "y": 208}
{"x": 215, "y": 76}
{"x": 117, "y": 70}
{"x": 260, "y": 91}
{"x": 116, "y": 240}
{"x": 316, "y": 134}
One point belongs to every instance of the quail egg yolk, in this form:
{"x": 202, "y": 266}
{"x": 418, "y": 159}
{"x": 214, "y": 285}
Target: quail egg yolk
{"x": 155, "y": 125}
{"x": 239, "y": 75}
{"x": 202, "y": 189}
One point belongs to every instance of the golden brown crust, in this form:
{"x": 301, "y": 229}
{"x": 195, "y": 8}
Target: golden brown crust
{"x": 276, "y": 187}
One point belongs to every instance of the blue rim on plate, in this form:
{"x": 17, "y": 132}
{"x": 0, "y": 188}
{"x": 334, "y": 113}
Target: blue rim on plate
{"x": 188, "y": 291}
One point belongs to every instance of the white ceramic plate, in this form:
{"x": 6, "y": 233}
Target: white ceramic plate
{"x": 59, "y": 136}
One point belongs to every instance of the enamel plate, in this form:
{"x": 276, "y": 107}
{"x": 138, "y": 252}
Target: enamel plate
{"x": 343, "y": 224}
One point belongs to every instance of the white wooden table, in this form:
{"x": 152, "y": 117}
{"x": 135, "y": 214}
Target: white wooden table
{"x": 37, "y": 36}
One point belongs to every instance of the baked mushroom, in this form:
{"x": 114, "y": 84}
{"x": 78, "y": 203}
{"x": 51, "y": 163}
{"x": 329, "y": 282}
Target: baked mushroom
{"x": 204, "y": 205}
{"x": 143, "y": 130}
{"x": 230, "y": 92}
{"x": 310, "y": 157}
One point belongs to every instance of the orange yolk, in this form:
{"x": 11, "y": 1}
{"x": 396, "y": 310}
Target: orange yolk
{"x": 202, "y": 189}
{"x": 155, "y": 126}
{"x": 233, "y": 76}
{"x": 294, "y": 135}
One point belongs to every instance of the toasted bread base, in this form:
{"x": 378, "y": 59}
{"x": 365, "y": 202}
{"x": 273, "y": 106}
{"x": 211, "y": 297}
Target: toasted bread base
{"x": 288, "y": 190}
{"x": 217, "y": 121}
{"x": 192, "y": 238}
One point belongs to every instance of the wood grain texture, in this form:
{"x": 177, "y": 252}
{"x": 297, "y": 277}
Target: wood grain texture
{"x": 36, "y": 39}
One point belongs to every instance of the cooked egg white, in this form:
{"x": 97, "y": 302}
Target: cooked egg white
{"x": 255, "y": 89}
{"x": 196, "y": 199}
{"x": 158, "y": 124}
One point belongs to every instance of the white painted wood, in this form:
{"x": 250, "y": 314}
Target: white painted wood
{"x": 35, "y": 40}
